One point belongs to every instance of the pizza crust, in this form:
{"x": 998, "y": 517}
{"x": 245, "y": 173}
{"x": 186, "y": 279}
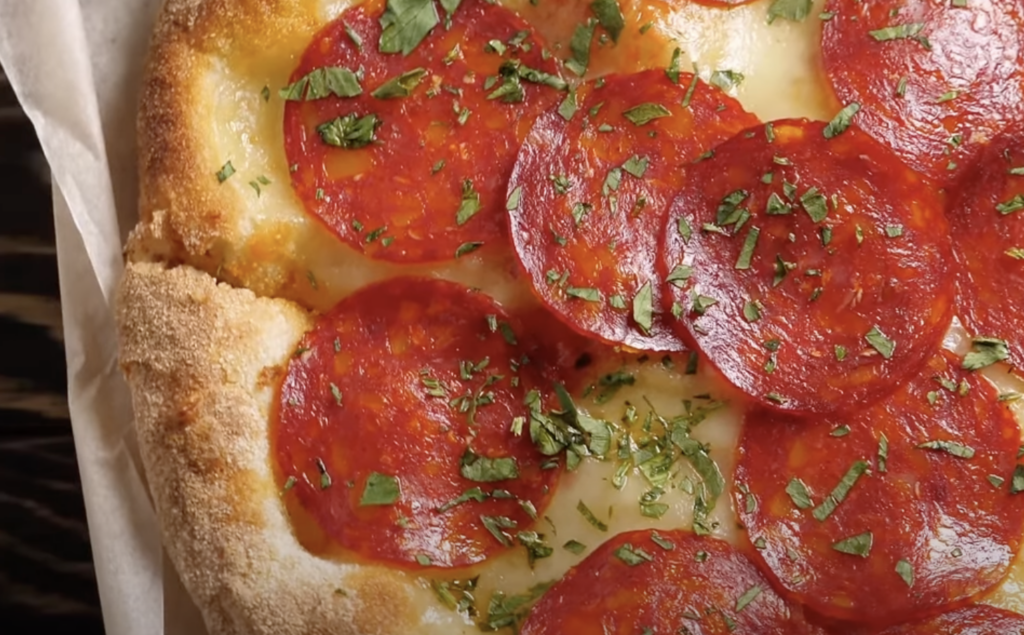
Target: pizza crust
{"x": 202, "y": 106}
{"x": 201, "y": 360}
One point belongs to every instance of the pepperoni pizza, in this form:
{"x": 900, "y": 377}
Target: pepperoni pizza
{"x": 641, "y": 317}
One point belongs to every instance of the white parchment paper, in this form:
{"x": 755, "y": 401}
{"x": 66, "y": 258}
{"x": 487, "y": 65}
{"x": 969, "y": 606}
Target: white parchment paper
{"x": 76, "y": 65}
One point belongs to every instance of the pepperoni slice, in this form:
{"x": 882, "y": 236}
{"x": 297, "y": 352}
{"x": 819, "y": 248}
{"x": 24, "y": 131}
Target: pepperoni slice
{"x": 935, "y": 79}
{"x": 394, "y": 427}
{"x": 558, "y": 354}
{"x": 663, "y": 584}
{"x": 987, "y": 219}
{"x": 590, "y": 191}
{"x": 433, "y": 179}
{"x": 811, "y": 271}
{"x": 973, "y": 620}
{"x": 893, "y": 512}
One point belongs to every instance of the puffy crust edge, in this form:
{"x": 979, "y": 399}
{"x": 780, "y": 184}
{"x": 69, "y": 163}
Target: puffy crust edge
{"x": 201, "y": 361}
{"x": 185, "y": 214}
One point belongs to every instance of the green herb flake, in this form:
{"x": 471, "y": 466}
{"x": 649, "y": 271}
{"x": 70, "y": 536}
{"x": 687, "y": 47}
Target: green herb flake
{"x": 665, "y": 544}
{"x": 579, "y": 47}
{"x": 424, "y": 560}
{"x": 336, "y": 393}
{"x": 859, "y": 545}
{"x": 880, "y": 342}
{"x": 776, "y": 206}
{"x": 679, "y": 275}
{"x": 799, "y": 494}
{"x": 496, "y": 524}
{"x": 480, "y": 469}
{"x": 840, "y": 431}
{"x": 636, "y": 166}
{"x": 323, "y": 82}
{"x": 325, "y": 477}
{"x": 673, "y": 68}
{"x": 748, "y": 596}
{"x": 841, "y": 121}
{"x": 405, "y": 23}
{"x": 985, "y": 351}
{"x": 470, "y": 204}
{"x": 840, "y": 352}
{"x": 467, "y": 248}
{"x": 646, "y": 113}
{"x": 574, "y": 547}
{"x": 690, "y": 90}
{"x": 643, "y": 308}
{"x": 508, "y": 611}
{"x": 952, "y": 448}
{"x": 1015, "y": 204}
{"x": 472, "y": 494}
{"x": 1017, "y": 480}
{"x": 590, "y": 517}
{"x": 996, "y": 481}
{"x": 568, "y": 106}
{"x": 747, "y": 252}
{"x": 751, "y": 311}
{"x": 897, "y": 32}
{"x": 352, "y": 35}
{"x": 726, "y": 79}
{"x": 588, "y": 294}
{"x": 381, "y": 489}
{"x": 841, "y": 490}
{"x": 609, "y": 16}
{"x": 400, "y": 86}
{"x": 225, "y": 172}
{"x": 633, "y": 556}
{"x": 701, "y": 304}
{"x": 815, "y": 204}
{"x": 792, "y": 10}
{"x": 906, "y": 571}
{"x": 349, "y": 132}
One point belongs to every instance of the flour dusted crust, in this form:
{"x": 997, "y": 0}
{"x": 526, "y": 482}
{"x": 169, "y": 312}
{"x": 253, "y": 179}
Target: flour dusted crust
{"x": 202, "y": 361}
{"x": 187, "y": 216}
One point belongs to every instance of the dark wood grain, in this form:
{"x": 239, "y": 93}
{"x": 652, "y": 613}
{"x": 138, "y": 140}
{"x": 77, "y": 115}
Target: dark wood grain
{"x": 47, "y": 581}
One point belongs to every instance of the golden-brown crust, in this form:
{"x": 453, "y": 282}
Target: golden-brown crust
{"x": 196, "y": 356}
{"x": 186, "y": 214}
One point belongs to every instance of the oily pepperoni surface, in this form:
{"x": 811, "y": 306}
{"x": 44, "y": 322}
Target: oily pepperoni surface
{"x": 399, "y": 198}
{"x": 795, "y": 323}
{"x": 385, "y": 384}
{"x": 973, "y": 620}
{"x": 588, "y": 199}
{"x": 955, "y": 531}
{"x": 699, "y": 586}
{"x": 987, "y": 218}
{"x": 558, "y": 354}
{"x": 960, "y": 70}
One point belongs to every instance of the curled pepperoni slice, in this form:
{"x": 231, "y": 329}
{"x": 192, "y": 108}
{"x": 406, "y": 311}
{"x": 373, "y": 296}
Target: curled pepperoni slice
{"x": 892, "y": 513}
{"x": 663, "y": 584}
{"x": 987, "y": 219}
{"x": 935, "y": 79}
{"x": 811, "y": 271}
{"x": 414, "y": 168}
{"x": 394, "y": 427}
{"x": 590, "y": 191}
{"x": 973, "y": 620}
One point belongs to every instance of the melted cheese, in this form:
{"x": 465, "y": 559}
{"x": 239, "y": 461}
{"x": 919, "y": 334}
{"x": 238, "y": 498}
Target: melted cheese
{"x": 782, "y": 79}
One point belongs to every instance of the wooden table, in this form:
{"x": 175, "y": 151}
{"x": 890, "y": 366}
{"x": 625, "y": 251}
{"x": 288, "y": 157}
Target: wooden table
{"x": 47, "y": 582}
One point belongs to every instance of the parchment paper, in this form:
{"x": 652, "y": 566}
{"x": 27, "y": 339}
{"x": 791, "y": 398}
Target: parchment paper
{"x": 76, "y": 65}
